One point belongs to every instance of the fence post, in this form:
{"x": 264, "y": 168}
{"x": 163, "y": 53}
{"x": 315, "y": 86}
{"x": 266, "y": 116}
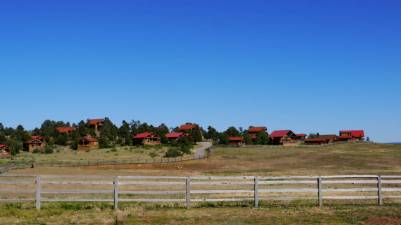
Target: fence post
{"x": 256, "y": 192}
{"x": 188, "y": 191}
{"x": 319, "y": 191}
{"x": 379, "y": 190}
{"x": 115, "y": 187}
{"x": 37, "y": 193}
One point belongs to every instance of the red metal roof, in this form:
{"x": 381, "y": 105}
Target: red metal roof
{"x": 257, "y": 129}
{"x": 280, "y": 133}
{"x": 95, "y": 121}
{"x": 188, "y": 126}
{"x": 3, "y": 145}
{"x": 353, "y": 133}
{"x": 144, "y": 135}
{"x": 300, "y": 135}
{"x": 65, "y": 129}
{"x": 37, "y": 138}
{"x": 174, "y": 135}
{"x": 239, "y": 138}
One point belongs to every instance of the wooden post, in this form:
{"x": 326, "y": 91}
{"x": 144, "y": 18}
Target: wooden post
{"x": 255, "y": 192}
{"x": 188, "y": 192}
{"x": 37, "y": 193}
{"x": 115, "y": 186}
{"x": 379, "y": 190}
{"x": 319, "y": 191}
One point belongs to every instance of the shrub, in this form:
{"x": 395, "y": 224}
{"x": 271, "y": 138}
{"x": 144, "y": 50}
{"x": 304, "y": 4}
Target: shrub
{"x": 173, "y": 152}
{"x": 36, "y": 150}
{"x": 48, "y": 149}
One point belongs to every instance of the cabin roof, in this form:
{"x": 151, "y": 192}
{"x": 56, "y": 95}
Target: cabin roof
{"x": 174, "y": 135}
{"x": 354, "y": 133}
{"x": 144, "y": 135}
{"x": 280, "y": 133}
{"x": 256, "y": 129}
{"x": 236, "y": 138}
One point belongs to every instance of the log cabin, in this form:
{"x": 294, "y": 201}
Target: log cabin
{"x": 96, "y": 124}
{"x": 4, "y": 151}
{"x": 174, "y": 136}
{"x": 253, "y": 131}
{"x": 65, "y": 130}
{"x": 351, "y": 135}
{"x": 146, "y": 138}
{"x": 36, "y": 142}
{"x": 281, "y": 137}
{"x": 236, "y": 141}
{"x": 88, "y": 143}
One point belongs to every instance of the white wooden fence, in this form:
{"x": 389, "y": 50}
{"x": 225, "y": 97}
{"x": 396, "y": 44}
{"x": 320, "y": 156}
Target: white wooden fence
{"x": 195, "y": 189}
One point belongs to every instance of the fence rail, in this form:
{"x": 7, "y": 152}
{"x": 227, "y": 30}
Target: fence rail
{"x": 189, "y": 190}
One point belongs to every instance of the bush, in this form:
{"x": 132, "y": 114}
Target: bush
{"x": 36, "y": 150}
{"x": 173, "y": 152}
{"x": 48, "y": 150}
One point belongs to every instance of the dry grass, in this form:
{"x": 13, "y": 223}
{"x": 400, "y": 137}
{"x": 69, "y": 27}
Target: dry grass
{"x": 212, "y": 215}
{"x": 356, "y": 158}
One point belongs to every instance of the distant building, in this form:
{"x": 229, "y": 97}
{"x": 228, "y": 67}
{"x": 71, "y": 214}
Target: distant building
{"x": 321, "y": 139}
{"x": 65, "y": 130}
{"x": 236, "y": 141}
{"x": 174, "y": 136}
{"x": 300, "y": 137}
{"x": 254, "y": 131}
{"x": 146, "y": 138}
{"x": 351, "y": 135}
{"x": 281, "y": 137}
{"x": 4, "y": 151}
{"x": 96, "y": 124}
{"x": 88, "y": 143}
{"x": 187, "y": 127}
{"x": 36, "y": 142}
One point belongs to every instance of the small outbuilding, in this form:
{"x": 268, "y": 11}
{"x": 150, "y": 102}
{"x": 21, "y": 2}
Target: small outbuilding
{"x": 4, "y": 151}
{"x": 236, "y": 141}
{"x": 254, "y": 131}
{"x": 65, "y": 130}
{"x": 88, "y": 143}
{"x": 174, "y": 136}
{"x": 36, "y": 142}
{"x": 146, "y": 138}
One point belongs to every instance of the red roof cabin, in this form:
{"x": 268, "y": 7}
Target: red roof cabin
{"x": 351, "y": 135}
{"x": 188, "y": 127}
{"x": 236, "y": 141}
{"x": 174, "y": 136}
{"x": 65, "y": 130}
{"x": 253, "y": 131}
{"x": 300, "y": 137}
{"x": 281, "y": 137}
{"x": 146, "y": 138}
{"x": 321, "y": 139}
{"x": 4, "y": 151}
{"x": 88, "y": 143}
{"x": 36, "y": 142}
{"x": 96, "y": 124}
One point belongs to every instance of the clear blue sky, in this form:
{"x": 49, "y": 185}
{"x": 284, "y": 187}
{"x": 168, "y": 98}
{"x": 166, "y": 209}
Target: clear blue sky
{"x": 310, "y": 66}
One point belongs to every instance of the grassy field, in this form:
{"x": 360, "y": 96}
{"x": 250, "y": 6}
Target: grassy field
{"x": 213, "y": 215}
{"x": 355, "y": 158}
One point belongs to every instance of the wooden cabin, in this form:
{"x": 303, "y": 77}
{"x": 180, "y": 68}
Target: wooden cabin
{"x": 236, "y": 141}
{"x": 4, "y": 151}
{"x": 351, "y": 135}
{"x": 253, "y": 131}
{"x": 321, "y": 139}
{"x": 36, "y": 142}
{"x": 188, "y": 127}
{"x": 146, "y": 138}
{"x": 88, "y": 143}
{"x": 174, "y": 136}
{"x": 96, "y": 124}
{"x": 300, "y": 137}
{"x": 65, "y": 130}
{"x": 316, "y": 141}
{"x": 282, "y": 137}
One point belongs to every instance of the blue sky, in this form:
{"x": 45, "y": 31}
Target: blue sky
{"x": 310, "y": 66}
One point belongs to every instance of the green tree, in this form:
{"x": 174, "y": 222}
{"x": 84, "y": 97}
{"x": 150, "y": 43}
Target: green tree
{"x": 108, "y": 134}
{"x": 212, "y": 133}
{"x": 248, "y": 139}
{"x": 223, "y": 139}
{"x": 196, "y": 135}
{"x": 124, "y": 134}
{"x": 262, "y": 138}
{"x": 232, "y": 132}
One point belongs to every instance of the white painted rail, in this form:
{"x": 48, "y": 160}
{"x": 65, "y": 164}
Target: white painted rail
{"x": 197, "y": 189}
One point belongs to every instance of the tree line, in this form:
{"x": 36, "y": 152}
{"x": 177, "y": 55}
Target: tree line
{"x": 111, "y": 135}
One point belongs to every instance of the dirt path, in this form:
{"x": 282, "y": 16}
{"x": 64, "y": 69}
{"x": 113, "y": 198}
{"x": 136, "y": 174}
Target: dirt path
{"x": 201, "y": 151}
